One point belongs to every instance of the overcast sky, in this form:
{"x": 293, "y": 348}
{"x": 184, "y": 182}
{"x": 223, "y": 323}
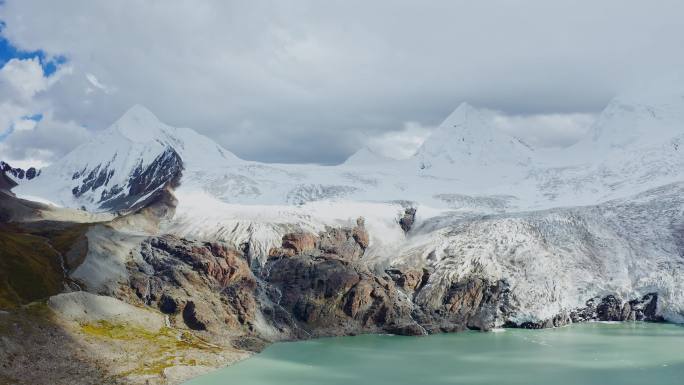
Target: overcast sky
{"x": 312, "y": 81}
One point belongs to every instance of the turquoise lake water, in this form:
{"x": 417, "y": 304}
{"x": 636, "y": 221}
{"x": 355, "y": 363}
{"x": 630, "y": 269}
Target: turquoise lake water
{"x": 588, "y": 354}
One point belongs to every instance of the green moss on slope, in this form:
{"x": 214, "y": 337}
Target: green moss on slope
{"x": 161, "y": 349}
{"x": 29, "y": 268}
{"x": 66, "y": 240}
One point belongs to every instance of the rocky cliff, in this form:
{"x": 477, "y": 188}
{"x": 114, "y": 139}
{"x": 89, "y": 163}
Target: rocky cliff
{"x": 319, "y": 285}
{"x": 179, "y": 307}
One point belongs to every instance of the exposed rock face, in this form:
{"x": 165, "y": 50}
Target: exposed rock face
{"x": 475, "y": 303}
{"x": 210, "y": 284}
{"x": 608, "y": 308}
{"x": 163, "y": 169}
{"x": 141, "y": 186}
{"x": 168, "y": 304}
{"x": 329, "y": 292}
{"x": 409, "y": 280}
{"x": 97, "y": 177}
{"x": 612, "y": 308}
{"x": 319, "y": 285}
{"x": 300, "y": 242}
{"x": 6, "y": 185}
{"x": 360, "y": 234}
{"x": 407, "y": 220}
{"x": 344, "y": 243}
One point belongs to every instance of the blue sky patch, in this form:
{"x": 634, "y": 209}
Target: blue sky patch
{"x": 10, "y": 130}
{"x": 8, "y": 52}
{"x": 35, "y": 118}
{"x": 6, "y": 133}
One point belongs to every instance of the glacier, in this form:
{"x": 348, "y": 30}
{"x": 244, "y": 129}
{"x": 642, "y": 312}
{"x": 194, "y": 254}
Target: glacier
{"x": 602, "y": 217}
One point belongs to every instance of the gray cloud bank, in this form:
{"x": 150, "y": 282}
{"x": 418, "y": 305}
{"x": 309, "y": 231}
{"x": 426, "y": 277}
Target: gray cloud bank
{"x": 311, "y": 81}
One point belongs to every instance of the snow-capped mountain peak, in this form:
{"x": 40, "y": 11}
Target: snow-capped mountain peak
{"x": 641, "y": 116}
{"x": 459, "y": 117}
{"x": 139, "y": 124}
{"x": 467, "y": 162}
{"x": 468, "y": 139}
{"x": 126, "y": 164}
{"x": 636, "y": 143}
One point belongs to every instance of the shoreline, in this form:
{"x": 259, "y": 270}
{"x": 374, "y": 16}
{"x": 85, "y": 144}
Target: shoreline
{"x": 325, "y": 349}
{"x": 38, "y": 322}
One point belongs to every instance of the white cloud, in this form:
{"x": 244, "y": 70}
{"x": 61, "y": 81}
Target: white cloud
{"x": 48, "y": 139}
{"x": 23, "y": 78}
{"x": 311, "y": 77}
{"x": 96, "y": 83}
{"x": 9, "y": 113}
{"x": 20, "y": 80}
{"x": 400, "y": 144}
{"x": 22, "y": 83}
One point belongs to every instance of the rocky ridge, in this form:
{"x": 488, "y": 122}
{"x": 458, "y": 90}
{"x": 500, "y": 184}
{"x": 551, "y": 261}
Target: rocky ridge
{"x": 318, "y": 285}
{"x": 19, "y": 174}
{"x": 194, "y": 305}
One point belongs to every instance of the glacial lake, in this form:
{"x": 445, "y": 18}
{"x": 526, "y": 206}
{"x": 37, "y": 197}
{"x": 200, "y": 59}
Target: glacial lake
{"x": 587, "y": 354}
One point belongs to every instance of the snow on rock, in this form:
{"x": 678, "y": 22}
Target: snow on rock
{"x": 555, "y": 260}
{"x": 601, "y": 217}
{"x": 17, "y": 174}
{"x": 134, "y": 157}
{"x": 258, "y": 228}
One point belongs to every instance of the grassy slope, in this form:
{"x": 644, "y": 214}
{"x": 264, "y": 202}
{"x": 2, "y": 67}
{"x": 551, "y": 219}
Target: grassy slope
{"x": 30, "y": 266}
{"x": 64, "y": 239}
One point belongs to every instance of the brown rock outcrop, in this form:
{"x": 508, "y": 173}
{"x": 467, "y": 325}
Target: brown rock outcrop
{"x": 318, "y": 285}
{"x": 360, "y": 234}
{"x": 330, "y": 296}
{"x": 345, "y": 243}
{"x": 474, "y": 303}
{"x": 329, "y": 292}
{"x": 300, "y": 242}
{"x": 212, "y": 280}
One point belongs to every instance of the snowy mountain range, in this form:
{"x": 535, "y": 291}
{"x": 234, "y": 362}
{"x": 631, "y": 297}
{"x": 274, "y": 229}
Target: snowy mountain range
{"x": 601, "y": 217}
{"x": 634, "y": 145}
